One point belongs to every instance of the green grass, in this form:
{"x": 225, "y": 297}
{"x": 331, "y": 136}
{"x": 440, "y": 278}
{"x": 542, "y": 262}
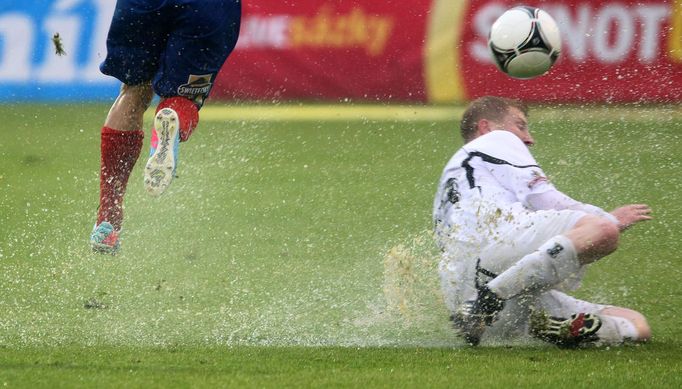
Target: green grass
{"x": 341, "y": 367}
{"x": 266, "y": 263}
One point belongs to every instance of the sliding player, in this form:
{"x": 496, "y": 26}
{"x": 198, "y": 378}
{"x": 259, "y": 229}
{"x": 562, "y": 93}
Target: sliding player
{"x": 512, "y": 242}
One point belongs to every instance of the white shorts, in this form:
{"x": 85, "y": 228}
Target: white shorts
{"x": 514, "y": 239}
{"x": 495, "y": 246}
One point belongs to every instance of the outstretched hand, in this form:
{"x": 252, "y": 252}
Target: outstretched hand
{"x": 629, "y": 215}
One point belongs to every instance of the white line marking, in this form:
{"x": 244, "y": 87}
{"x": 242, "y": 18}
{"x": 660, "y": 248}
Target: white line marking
{"x": 425, "y": 113}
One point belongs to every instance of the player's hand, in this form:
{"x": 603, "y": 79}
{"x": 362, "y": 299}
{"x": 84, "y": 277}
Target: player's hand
{"x": 628, "y": 215}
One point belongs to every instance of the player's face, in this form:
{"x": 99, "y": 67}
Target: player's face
{"x": 517, "y": 123}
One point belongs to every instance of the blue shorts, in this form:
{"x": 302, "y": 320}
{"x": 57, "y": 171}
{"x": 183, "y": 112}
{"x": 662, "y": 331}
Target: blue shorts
{"x": 178, "y": 45}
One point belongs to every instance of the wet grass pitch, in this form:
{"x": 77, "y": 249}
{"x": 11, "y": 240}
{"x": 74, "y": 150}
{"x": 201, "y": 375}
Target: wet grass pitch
{"x": 298, "y": 253}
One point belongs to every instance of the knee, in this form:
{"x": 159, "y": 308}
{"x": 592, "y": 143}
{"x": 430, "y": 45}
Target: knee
{"x": 139, "y": 97}
{"x": 595, "y": 237}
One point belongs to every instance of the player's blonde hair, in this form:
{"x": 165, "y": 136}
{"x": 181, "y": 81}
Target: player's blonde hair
{"x": 487, "y": 107}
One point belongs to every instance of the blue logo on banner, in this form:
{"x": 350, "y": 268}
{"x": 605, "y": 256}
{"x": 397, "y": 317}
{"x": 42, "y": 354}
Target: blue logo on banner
{"x": 29, "y": 68}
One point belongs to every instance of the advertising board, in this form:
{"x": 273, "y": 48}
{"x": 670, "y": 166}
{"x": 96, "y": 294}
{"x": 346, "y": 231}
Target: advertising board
{"x": 421, "y": 51}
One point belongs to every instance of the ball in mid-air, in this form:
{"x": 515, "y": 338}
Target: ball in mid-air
{"x": 525, "y": 42}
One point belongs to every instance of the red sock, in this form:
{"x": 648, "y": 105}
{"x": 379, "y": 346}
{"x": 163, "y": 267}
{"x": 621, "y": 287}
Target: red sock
{"x": 187, "y": 111}
{"x": 120, "y": 150}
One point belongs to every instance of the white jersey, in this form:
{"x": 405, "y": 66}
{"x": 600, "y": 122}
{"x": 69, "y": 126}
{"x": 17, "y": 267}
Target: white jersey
{"x": 495, "y": 174}
{"x": 494, "y": 170}
{"x": 493, "y": 207}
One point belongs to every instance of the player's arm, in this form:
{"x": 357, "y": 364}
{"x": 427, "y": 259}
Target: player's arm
{"x": 548, "y": 197}
{"x": 551, "y": 198}
{"x": 522, "y": 175}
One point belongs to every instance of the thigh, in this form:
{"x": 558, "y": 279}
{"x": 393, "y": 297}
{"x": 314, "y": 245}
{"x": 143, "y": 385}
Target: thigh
{"x": 203, "y": 37}
{"x": 521, "y": 234}
{"x": 136, "y": 40}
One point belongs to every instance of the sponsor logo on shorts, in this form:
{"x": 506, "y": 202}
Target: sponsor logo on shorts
{"x": 196, "y": 88}
{"x": 556, "y": 250}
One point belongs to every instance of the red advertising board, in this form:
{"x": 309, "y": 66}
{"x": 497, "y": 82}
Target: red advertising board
{"x": 611, "y": 51}
{"x": 435, "y": 51}
{"x": 330, "y": 50}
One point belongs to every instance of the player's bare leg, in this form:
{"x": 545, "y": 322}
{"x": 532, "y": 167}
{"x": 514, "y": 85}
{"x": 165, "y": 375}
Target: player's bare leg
{"x": 127, "y": 112}
{"x": 591, "y": 239}
{"x": 623, "y": 325}
{"x": 559, "y": 258}
{"x": 121, "y": 144}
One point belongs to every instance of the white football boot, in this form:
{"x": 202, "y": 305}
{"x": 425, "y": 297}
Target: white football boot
{"x": 163, "y": 155}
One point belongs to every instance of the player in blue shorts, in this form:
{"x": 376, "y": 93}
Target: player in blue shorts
{"x": 173, "y": 48}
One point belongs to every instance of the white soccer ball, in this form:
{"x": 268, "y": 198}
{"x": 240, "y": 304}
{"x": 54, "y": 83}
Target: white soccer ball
{"x": 525, "y": 42}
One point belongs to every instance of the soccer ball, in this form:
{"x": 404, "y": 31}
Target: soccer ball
{"x": 525, "y": 42}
